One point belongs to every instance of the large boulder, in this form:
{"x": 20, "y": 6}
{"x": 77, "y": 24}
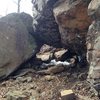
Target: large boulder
{"x": 16, "y": 44}
{"x": 93, "y": 44}
{"x": 73, "y": 21}
{"x": 45, "y": 27}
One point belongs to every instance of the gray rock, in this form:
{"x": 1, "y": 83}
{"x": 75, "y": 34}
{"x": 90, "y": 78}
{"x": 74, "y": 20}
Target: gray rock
{"x": 45, "y": 53}
{"x": 94, "y": 9}
{"x": 93, "y": 44}
{"x": 16, "y": 44}
{"x": 35, "y": 95}
{"x": 16, "y": 95}
{"x": 49, "y": 78}
{"x": 32, "y": 98}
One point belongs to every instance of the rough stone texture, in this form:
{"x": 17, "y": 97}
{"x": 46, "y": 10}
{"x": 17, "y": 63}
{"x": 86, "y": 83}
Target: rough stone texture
{"x": 59, "y": 53}
{"x": 46, "y": 48}
{"x": 28, "y": 21}
{"x": 94, "y": 9}
{"x": 72, "y": 14}
{"x": 45, "y": 27}
{"x": 45, "y": 56}
{"x": 16, "y": 44}
{"x": 48, "y": 53}
{"x": 52, "y": 70}
{"x": 73, "y": 21}
{"x": 45, "y": 53}
{"x": 16, "y": 95}
{"x": 67, "y": 95}
{"x": 93, "y": 44}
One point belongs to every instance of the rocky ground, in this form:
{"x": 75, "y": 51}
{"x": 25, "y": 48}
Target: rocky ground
{"x": 53, "y": 71}
{"x": 46, "y": 87}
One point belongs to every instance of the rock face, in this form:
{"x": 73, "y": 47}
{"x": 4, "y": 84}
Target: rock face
{"x": 93, "y": 43}
{"x": 16, "y": 44}
{"x": 44, "y": 24}
{"x": 73, "y": 21}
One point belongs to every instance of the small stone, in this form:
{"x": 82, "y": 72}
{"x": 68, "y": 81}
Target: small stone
{"x": 38, "y": 90}
{"x": 20, "y": 79}
{"x": 3, "y": 84}
{"x": 49, "y": 78}
{"x": 32, "y": 86}
{"x": 16, "y": 95}
{"x": 29, "y": 79}
{"x": 24, "y": 79}
{"x": 67, "y": 95}
{"x": 82, "y": 76}
{"x": 74, "y": 75}
{"x": 43, "y": 94}
{"x": 89, "y": 46}
{"x": 34, "y": 94}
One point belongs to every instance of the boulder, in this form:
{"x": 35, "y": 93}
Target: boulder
{"x": 93, "y": 44}
{"x": 44, "y": 24}
{"x": 73, "y": 21}
{"x": 16, "y": 44}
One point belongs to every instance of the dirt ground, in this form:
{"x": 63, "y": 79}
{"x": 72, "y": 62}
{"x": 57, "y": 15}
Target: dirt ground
{"x": 48, "y": 87}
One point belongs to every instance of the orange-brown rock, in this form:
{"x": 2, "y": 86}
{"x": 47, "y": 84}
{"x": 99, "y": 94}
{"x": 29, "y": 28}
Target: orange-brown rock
{"x": 73, "y": 21}
{"x": 72, "y": 15}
